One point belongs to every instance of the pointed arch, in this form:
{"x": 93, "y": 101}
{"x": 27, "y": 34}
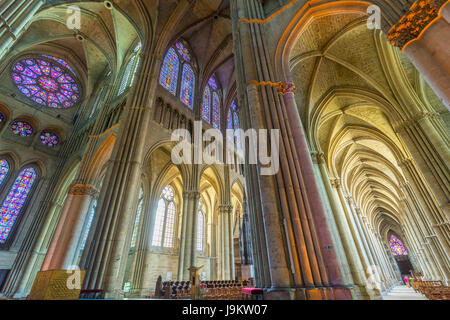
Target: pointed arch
{"x": 168, "y": 77}
{"x": 206, "y": 105}
{"x": 12, "y": 205}
{"x": 187, "y": 86}
{"x": 4, "y": 169}
{"x": 216, "y": 111}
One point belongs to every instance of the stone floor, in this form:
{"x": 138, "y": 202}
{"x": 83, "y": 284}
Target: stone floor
{"x": 404, "y": 293}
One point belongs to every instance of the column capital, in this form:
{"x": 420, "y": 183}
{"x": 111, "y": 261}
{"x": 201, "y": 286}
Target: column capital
{"x": 405, "y": 163}
{"x": 318, "y": 157}
{"x": 77, "y": 189}
{"x": 336, "y": 182}
{"x": 410, "y": 26}
{"x": 225, "y": 208}
{"x": 191, "y": 194}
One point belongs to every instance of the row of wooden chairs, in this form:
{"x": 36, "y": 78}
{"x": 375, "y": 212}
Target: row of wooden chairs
{"x": 212, "y": 290}
{"x": 433, "y": 290}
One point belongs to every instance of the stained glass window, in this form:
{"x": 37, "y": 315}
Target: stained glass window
{"x": 4, "y": 168}
{"x": 2, "y": 117}
{"x": 397, "y": 246}
{"x": 216, "y": 111}
{"x": 229, "y": 119}
{"x": 130, "y": 70}
{"x": 49, "y": 139}
{"x": 187, "y": 86}
{"x": 169, "y": 71}
{"x": 60, "y": 61}
{"x": 170, "y": 222}
{"x": 21, "y": 128}
{"x": 163, "y": 232}
{"x": 159, "y": 223}
{"x": 137, "y": 219}
{"x": 212, "y": 83}
{"x": 88, "y": 224}
{"x": 46, "y": 82}
{"x": 206, "y": 105}
{"x": 200, "y": 227}
{"x": 14, "y": 201}
{"x": 183, "y": 51}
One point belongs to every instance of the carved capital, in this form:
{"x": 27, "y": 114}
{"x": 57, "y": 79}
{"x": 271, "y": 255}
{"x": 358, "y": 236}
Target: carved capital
{"x": 336, "y": 183}
{"x": 225, "y": 208}
{"x": 284, "y": 88}
{"x": 317, "y": 157}
{"x": 83, "y": 190}
{"x": 421, "y": 14}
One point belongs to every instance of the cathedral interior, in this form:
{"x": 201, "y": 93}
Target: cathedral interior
{"x": 92, "y": 92}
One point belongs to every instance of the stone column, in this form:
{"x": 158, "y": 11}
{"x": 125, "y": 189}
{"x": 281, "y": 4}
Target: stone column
{"x": 14, "y": 15}
{"x": 350, "y": 246}
{"x": 432, "y": 218}
{"x": 297, "y": 238}
{"x": 225, "y": 214}
{"x": 188, "y": 245}
{"x": 64, "y": 247}
{"x": 428, "y": 146}
{"x": 425, "y": 42}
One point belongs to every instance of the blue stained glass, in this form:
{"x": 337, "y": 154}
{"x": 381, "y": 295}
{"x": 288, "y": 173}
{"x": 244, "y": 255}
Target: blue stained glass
{"x": 43, "y": 82}
{"x": 212, "y": 83}
{"x": 21, "y": 128}
{"x": 397, "y": 247}
{"x": 234, "y": 106}
{"x": 169, "y": 71}
{"x": 216, "y": 111}
{"x": 4, "y": 168}
{"x": 183, "y": 51}
{"x": 49, "y": 139}
{"x": 236, "y": 121}
{"x": 60, "y": 61}
{"x": 237, "y": 126}
{"x": 229, "y": 119}
{"x": 187, "y": 86}
{"x": 14, "y": 201}
{"x": 206, "y": 105}
{"x": 2, "y": 117}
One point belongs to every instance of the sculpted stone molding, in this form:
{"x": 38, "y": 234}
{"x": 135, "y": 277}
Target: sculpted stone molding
{"x": 283, "y": 88}
{"x": 82, "y": 190}
{"x": 410, "y": 26}
{"x": 317, "y": 157}
{"x": 335, "y": 183}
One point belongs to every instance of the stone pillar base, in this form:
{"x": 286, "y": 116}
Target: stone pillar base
{"x": 280, "y": 294}
{"x": 57, "y": 285}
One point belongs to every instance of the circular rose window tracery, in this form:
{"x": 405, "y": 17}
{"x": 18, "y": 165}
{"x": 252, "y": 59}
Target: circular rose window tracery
{"x": 49, "y": 139}
{"x": 21, "y": 128}
{"x": 47, "y": 80}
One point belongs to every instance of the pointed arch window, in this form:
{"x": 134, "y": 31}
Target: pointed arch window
{"x": 4, "y": 169}
{"x": 88, "y": 224}
{"x": 397, "y": 247}
{"x": 130, "y": 70}
{"x": 200, "y": 226}
{"x": 11, "y": 207}
{"x": 187, "y": 86}
{"x": 233, "y": 122}
{"x": 163, "y": 232}
{"x": 177, "y": 67}
{"x": 90, "y": 220}
{"x": 211, "y": 103}
{"x": 168, "y": 77}
{"x": 137, "y": 220}
{"x": 206, "y": 105}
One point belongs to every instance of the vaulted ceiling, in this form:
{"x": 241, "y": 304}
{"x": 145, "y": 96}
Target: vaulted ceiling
{"x": 342, "y": 95}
